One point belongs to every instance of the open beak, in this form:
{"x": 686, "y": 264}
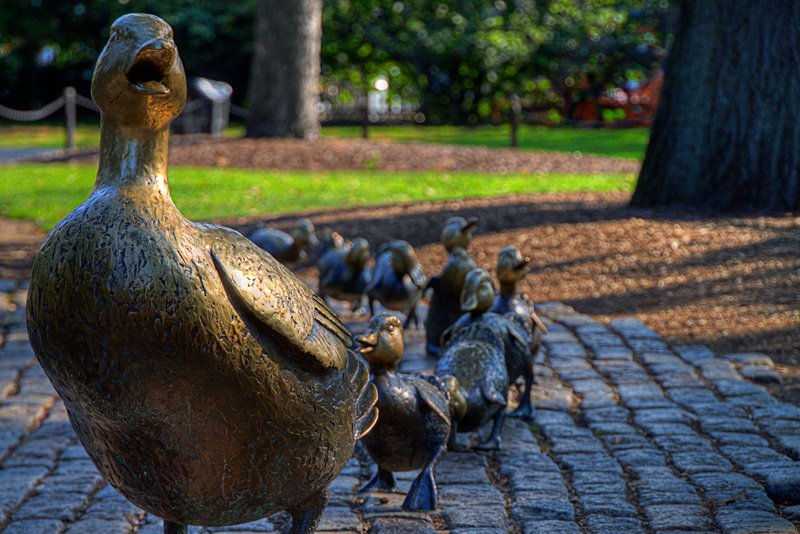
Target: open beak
{"x": 150, "y": 67}
{"x": 523, "y": 265}
{"x": 472, "y": 222}
{"x": 367, "y": 342}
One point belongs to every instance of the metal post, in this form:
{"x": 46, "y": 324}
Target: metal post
{"x": 71, "y": 115}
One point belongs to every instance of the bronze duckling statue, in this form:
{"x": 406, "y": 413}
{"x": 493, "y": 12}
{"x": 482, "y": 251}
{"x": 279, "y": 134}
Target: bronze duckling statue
{"x": 414, "y": 424}
{"x": 344, "y": 273}
{"x": 287, "y": 248}
{"x": 512, "y": 267}
{"x": 398, "y": 281}
{"x": 474, "y": 354}
{"x": 446, "y": 287}
{"x": 207, "y": 383}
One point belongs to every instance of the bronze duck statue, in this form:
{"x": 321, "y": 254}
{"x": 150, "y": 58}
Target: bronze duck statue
{"x": 512, "y": 267}
{"x": 287, "y": 248}
{"x": 344, "y": 272}
{"x": 474, "y": 353}
{"x": 414, "y": 425}
{"x": 398, "y": 281}
{"x": 446, "y": 286}
{"x": 207, "y": 383}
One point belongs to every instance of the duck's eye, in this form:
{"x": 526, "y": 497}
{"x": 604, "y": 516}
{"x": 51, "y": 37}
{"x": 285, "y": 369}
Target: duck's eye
{"x": 390, "y": 329}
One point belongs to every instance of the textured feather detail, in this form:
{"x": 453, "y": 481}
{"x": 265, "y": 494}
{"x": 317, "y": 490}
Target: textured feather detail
{"x": 366, "y": 412}
{"x": 437, "y": 403}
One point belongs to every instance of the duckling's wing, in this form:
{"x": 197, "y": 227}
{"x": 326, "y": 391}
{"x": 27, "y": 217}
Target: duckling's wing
{"x": 276, "y": 306}
{"x": 433, "y": 398}
{"x": 418, "y": 277}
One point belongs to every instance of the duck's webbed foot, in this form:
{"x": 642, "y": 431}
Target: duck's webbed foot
{"x": 175, "y": 528}
{"x": 423, "y": 494}
{"x": 494, "y": 441}
{"x": 383, "y": 481}
{"x": 306, "y": 514}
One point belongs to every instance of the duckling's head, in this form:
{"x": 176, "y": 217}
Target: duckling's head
{"x": 512, "y": 266}
{"x": 457, "y": 400}
{"x": 139, "y": 80}
{"x": 382, "y": 342}
{"x": 304, "y": 234}
{"x": 403, "y": 257}
{"x": 457, "y": 232}
{"x": 478, "y": 293}
{"x": 358, "y": 256}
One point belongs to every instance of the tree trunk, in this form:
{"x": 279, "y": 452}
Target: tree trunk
{"x": 727, "y": 132}
{"x": 284, "y": 75}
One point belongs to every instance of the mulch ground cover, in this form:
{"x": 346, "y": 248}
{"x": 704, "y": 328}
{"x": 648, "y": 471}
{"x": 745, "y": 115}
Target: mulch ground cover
{"x": 730, "y": 282}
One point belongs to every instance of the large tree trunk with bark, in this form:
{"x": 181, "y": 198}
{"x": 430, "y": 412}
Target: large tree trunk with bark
{"x": 727, "y": 132}
{"x": 284, "y": 76}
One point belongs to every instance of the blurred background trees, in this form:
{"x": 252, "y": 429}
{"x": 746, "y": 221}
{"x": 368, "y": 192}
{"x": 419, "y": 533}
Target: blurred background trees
{"x": 455, "y": 61}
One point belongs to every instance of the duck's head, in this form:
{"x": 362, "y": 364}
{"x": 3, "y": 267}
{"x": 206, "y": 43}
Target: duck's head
{"x": 139, "y": 80}
{"x": 512, "y": 266}
{"x": 382, "y": 343}
{"x": 358, "y": 256}
{"x": 304, "y": 234}
{"x": 404, "y": 259}
{"x": 478, "y": 292}
{"x": 457, "y": 232}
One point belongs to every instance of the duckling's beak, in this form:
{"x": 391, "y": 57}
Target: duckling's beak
{"x": 472, "y": 222}
{"x": 150, "y": 67}
{"x": 470, "y": 303}
{"x": 523, "y": 264}
{"x": 368, "y": 341}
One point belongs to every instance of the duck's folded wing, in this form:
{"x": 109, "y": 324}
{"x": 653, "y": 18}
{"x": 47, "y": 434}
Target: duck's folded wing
{"x": 274, "y": 303}
{"x": 433, "y": 398}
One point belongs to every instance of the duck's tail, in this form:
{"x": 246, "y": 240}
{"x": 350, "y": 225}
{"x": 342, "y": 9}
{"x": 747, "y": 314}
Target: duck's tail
{"x": 366, "y": 412}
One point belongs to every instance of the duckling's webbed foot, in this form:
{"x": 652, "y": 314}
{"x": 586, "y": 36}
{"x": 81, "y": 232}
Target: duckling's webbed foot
{"x": 175, "y": 528}
{"x": 525, "y": 411}
{"x": 383, "y": 481}
{"x": 306, "y": 514}
{"x": 411, "y": 317}
{"x": 493, "y": 442}
{"x": 423, "y": 494}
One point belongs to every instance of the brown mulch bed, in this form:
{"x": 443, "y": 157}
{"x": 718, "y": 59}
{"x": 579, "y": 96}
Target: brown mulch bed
{"x": 330, "y": 154}
{"x": 730, "y": 282}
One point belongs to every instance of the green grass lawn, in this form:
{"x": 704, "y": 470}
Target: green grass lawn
{"x": 617, "y": 142}
{"x": 46, "y": 193}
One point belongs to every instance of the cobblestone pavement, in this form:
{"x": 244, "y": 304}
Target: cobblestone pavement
{"x": 631, "y": 435}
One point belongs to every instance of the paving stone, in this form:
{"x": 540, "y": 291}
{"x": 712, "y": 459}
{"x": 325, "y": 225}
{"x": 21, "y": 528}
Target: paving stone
{"x": 750, "y": 358}
{"x": 93, "y": 525}
{"x": 753, "y": 522}
{"x": 781, "y": 410}
{"x": 612, "y": 352}
{"x": 736, "y": 388}
{"x": 667, "y": 429}
{"x": 602, "y": 524}
{"x": 63, "y": 506}
{"x": 700, "y": 462}
{"x": 733, "y": 490}
{"x": 790, "y": 445}
{"x": 662, "y": 416}
{"x": 694, "y": 354}
{"x": 736, "y": 438}
{"x": 617, "y": 442}
{"x": 589, "y": 462}
{"x": 673, "y": 517}
{"x": 783, "y": 485}
{"x": 543, "y": 510}
{"x": 551, "y": 527}
{"x": 339, "y": 519}
{"x": 582, "y": 479}
{"x": 35, "y": 526}
{"x": 726, "y": 424}
{"x": 761, "y": 375}
{"x": 614, "y": 414}
{"x": 636, "y": 403}
{"x": 614, "y": 505}
{"x": 645, "y": 456}
{"x": 475, "y": 516}
{"x": 792, "y": 513}
{"x": 471, "y": 495}
{"x": 754, "y": 457}
{"x": 684, "y": 443}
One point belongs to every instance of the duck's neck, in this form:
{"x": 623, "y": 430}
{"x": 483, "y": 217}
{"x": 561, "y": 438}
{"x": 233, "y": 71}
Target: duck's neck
{"x": 131, "y": 156}
{"x": 507, "y": 289}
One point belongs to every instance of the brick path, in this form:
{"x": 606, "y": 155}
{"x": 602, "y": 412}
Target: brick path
{"x": 631, "y": 435}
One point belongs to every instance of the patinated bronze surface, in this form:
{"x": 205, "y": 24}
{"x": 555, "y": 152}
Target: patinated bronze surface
{"x": 475, "y": 355}
{"x": 287, "y": 248}
{"x": 207, "y": 383}
{"x": 414, "y": 425}
{"x": 512, "y": 267}
{"x": 344, "y": 272}
{"x": 398, "y": 281}
{"x": 446, "y": 287}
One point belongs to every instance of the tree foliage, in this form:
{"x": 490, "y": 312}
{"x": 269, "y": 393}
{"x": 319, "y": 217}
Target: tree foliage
{"x": 459, "y": 60}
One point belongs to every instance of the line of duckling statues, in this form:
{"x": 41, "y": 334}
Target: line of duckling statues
{"x": 484, "y": 341}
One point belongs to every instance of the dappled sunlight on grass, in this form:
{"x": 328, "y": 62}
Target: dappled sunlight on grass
{"x": 47, "y": 193}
